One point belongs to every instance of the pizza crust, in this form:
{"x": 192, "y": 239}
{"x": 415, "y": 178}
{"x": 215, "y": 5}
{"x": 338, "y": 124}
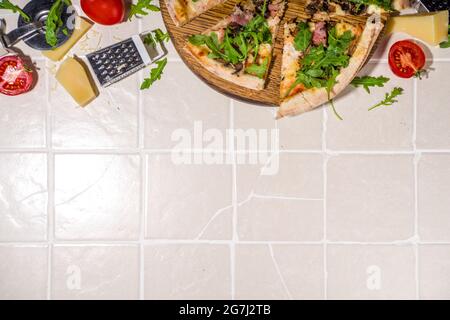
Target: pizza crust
{"x": 183, "y": 11}
{"x": 312, "y": 98}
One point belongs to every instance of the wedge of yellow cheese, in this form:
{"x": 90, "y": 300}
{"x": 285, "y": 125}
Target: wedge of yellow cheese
{"x": 74, "y": 77}
{"x": 429, "y": 27}
{"x": 82, "y": 26}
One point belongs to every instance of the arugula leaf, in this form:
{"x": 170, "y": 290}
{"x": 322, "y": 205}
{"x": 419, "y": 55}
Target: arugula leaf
{"x": 368, "y": 81}
{"x": 149, "y": 40}
{"x": 141, "y": 8}
{"x": 7, "y": 5}
{"x": 389, "y": 98}
{"x": 446, "y": 44}
{"x": 321, "y": 65}
{"x": 197, "y": 39}
{"x": 237, "y": 43}
{"x": 155, "y": 74}
{"x": 54, "y": 22}
{"x": 258, "y": 70}
{"x": 303, "y": 37}
{"x": 161, "y": 36}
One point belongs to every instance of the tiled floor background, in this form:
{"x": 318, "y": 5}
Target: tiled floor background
{"x": 92, "y": 207}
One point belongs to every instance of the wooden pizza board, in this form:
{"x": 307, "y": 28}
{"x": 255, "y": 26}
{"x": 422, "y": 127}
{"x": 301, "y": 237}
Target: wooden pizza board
{"x": 270, "y": 95}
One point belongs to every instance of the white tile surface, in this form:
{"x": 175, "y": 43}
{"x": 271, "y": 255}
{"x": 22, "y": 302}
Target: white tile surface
{"x": 187, "y": 271}
{"x": 95, "y": 272}
{"x": 371, "y": 272}
{"x": 386, "y": 128}
{"x": 298, "y": 133}
{"x": 433, "y": 112}
{"x": 24, "y": 276}
{"x": 434, "y": 266}
{"x": 272, "y": 272}
{"x": 370, "y": 198}
{"x": 23, "y": 197}
{"x": 169, "y": 112}
{"x": 188, "y": 201}
{"x": 433, "y": 200}
{"x": 347, "y": 209}
{"x": 97, "y": 197}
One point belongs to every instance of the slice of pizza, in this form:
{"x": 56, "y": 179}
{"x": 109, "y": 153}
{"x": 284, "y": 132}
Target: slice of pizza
{"x": 239, "y": 48}
{"x": 183, "y": 11}
{"x": 354, "y": 7}
{"x": 320, "y": 59}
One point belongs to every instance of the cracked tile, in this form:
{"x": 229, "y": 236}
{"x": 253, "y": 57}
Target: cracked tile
{"x": 187, "y": 271}
{"x": 279, "y": 272}
{"x": 97, "y": 197}
{"x": 371, "y": 272}
{"x": 188, "y": 201}
{"x": 23, "y": 197}
{"x": 95, "y": 272}
{"x": 26, "y": 268}
{"x": 271, "y": 219}
{"x": 287, "y": 175}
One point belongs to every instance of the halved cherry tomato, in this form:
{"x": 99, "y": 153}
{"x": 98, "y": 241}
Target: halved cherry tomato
{"x": 107, "y": 12}
{"x": 406, "y": 59}
{"x": 15, "y": 77}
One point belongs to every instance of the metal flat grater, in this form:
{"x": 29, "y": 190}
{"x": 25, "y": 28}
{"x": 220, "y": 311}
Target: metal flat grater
{"x": 120, "y": 60}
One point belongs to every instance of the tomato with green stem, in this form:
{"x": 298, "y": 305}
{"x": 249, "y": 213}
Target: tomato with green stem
{"x": 406, "y": 59}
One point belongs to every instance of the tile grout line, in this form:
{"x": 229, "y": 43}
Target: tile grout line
{"x": 324, "y": 195}
{"x": 143, "y": 170}
{"x": 416, "y": 159}
{"x": 50, "y": 186}
{"x": 166, "y": 151}
{"x": 234, "y": 202}
{"x": 103, "y": 242}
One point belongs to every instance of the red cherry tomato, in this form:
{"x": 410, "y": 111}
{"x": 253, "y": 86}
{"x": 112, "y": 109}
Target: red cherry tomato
{"x": 15, "y": 77}
{"x": 107, "y": 12}
{"x": 406, "y": 59}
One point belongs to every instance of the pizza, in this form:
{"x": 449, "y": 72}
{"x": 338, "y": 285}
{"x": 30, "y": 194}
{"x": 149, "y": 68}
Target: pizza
{"x": 320, "y": 58}
{"x": 239, "y": 48}
{"x": 183, "y": 11}
{"x": 354, "y": 7}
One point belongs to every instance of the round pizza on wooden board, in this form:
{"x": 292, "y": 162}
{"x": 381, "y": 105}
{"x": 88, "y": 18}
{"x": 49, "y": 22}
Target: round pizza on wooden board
{"x": 270, "y": 95}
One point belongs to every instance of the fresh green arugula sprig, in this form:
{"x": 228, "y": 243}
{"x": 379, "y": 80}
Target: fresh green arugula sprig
{"x": 238, "y": 44}
{"x": 155, "y": 74}
{"x": 158, "y": 36}
{"x": 54, "y": 22}
{"x": 367, "y": 81}
{"x": 303, "y": 37}
{"x": 321, "y": 65}
{"x": 142, "y": 8}
{"x": 258, "y": 70}
{"x": 7, "y": 5}
{"x": 389, "y": 98}
{"x": 446, "y": 44}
